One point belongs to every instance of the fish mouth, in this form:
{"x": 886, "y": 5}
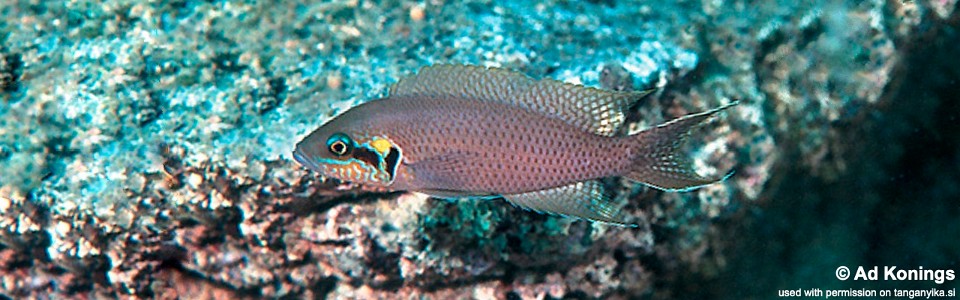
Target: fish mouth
{"x": 301, "y": 158}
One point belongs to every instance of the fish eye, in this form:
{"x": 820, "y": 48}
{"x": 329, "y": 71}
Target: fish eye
{"x": 338, "y": 148}
{"x": 339, "y": 144}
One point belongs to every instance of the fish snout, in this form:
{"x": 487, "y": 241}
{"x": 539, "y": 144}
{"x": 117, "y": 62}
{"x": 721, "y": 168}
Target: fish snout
{"x": 301, "y": 158}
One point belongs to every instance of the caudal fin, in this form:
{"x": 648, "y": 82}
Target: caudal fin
{"x": 661, "y": 164}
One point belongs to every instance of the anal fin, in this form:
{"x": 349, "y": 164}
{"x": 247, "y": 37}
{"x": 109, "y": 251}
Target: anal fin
{"x": 584, "y": 200}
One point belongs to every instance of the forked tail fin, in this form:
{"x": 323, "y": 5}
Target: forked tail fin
{"x": 660, "y": 163}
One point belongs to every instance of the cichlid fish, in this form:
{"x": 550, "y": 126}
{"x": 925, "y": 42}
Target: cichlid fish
{"x": 465, "y": 131}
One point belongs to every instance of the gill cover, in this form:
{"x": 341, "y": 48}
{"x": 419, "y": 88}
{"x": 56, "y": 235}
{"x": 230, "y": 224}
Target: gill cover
{"x": 354, "y": 159}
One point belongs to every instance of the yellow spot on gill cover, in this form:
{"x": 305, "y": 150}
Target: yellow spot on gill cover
{"x": 381, "y": 145}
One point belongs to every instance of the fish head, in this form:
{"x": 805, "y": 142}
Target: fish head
{"x": 350, "y": 155}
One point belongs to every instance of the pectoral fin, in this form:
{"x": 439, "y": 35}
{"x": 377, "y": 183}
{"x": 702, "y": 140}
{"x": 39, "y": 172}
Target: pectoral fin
{"x": 585, "y": 200}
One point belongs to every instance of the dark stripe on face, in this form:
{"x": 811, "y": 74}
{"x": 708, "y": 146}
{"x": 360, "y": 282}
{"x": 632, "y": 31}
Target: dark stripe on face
{"x": 368, "y": 156}
{"x": 390, "y": 162}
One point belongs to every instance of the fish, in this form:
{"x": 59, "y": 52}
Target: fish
{"x": 460, "y": 131}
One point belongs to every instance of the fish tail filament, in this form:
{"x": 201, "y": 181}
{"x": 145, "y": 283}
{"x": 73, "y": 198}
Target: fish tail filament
{"x": 660, "y": 163}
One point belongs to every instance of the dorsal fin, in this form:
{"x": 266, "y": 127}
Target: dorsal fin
{"x": 471, "y": 82}
{"x": 593, "y": 110}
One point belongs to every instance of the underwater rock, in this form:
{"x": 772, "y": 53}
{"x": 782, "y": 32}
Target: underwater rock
{"x": 145, "y": 145}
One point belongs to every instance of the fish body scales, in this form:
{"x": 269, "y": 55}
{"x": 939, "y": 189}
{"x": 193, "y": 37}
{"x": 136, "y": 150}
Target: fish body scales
{"x": 495, "y": 148}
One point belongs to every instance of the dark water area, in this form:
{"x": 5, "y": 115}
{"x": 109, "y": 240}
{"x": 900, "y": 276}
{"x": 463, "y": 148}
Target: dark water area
{"x": 896, "y": 205}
